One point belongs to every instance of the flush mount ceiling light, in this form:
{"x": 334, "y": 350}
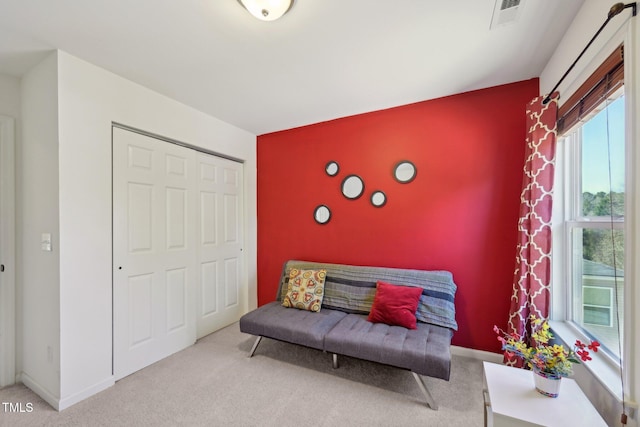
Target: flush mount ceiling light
{"x": 267, "y": 10}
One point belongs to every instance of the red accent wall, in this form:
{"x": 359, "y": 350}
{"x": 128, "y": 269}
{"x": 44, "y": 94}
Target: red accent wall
{"x": 459, "y": 214}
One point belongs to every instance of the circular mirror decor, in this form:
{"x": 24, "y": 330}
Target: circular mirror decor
{"x": 404, "y": 172}
{"x": 378, "y": 199}
{"x": 332, "y": 168}
{"x": 352, "y": 187}
{"x": 322, "y": 214}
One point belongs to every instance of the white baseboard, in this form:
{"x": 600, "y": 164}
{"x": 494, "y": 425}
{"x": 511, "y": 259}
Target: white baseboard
{"x": 40, "y": 391}
{"x": 87, "y": 392}
{"x": 61, "y": 404}
{"x": 485, "y": 356}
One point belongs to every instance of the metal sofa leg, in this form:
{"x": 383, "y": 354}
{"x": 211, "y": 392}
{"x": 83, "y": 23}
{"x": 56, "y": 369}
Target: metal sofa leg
{"x": 255, "y": 345}
{"x": 335, "y": 361}
{"x": 430, "y": 402}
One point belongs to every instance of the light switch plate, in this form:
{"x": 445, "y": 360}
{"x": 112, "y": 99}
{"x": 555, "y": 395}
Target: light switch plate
{"x": 45, "y": 242}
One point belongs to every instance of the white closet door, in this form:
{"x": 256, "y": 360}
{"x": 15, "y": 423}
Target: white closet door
{"x": 155, "y": 233}
{"x": 222, "y": 277}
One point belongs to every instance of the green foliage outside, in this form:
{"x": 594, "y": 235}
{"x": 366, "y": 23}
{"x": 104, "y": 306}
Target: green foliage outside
{"x": 599, "y": 204}
{"x": 600, "y": 245}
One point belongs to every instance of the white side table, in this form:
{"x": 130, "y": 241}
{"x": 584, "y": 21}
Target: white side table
{"x": 513, "y": 401}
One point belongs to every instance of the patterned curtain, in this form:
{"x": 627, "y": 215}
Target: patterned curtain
{"x": 532, "y": 273}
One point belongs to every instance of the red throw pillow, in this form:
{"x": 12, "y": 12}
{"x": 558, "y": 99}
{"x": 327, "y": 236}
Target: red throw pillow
{"x": 395, "y": 305}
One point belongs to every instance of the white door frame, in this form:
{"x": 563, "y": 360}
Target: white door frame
{"x": 7, "y": 252}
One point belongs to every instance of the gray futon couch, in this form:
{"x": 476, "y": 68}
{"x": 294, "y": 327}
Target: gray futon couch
{"x": 341, "y": 326}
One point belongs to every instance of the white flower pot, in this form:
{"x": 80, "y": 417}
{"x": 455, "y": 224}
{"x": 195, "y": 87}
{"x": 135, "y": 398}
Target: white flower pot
{"x": 546, "y": 384}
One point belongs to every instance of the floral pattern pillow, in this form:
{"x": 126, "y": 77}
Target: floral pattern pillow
{"x": 305, "y": 290}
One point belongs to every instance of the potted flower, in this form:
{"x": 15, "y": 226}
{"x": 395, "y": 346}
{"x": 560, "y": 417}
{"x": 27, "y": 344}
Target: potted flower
{"x": 549, "y": 362}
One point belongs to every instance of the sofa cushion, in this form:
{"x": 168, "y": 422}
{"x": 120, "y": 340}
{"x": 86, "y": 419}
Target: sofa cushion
{"x": 305, "y": 289}
{"x": 425, "y": 350}
{"x": 352, "y": 289}
{"x": 295, "y": 326}
{"x": 395, "y": 305}
{"x": 345, "y": 289}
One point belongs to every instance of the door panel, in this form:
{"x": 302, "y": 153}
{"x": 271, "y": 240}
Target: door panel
{"x": 140, "y": 320}
{"x": 139, "y": 217}
{"x": 209, "y": 286}
{"x": 231, "y": 218}
{"x": 220, "y": 245}
{"x": 176, "y": 218}
{"x": 176, "y": 299}
{"x": 7, "y": 252}
{"x": 178, "y": 260}
{"x": 231, "y": 274}
{"x": 140, "y": 157}
{"x": 208, "y": 218}
{"x": 155, "y": 250}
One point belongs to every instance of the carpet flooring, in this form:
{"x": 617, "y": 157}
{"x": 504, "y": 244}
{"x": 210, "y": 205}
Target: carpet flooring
{"x": 214, "y": 383}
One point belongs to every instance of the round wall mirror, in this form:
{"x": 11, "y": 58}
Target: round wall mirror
{"x": 378, "y": 199}
{"x": 404, "y": 172}
{"x": 352, "y": 187}
{"x": 322, "y": 214}
{"x": 332, "y": 168}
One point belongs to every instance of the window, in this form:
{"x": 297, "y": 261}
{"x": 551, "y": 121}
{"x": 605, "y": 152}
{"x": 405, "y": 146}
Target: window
{"x": 594, "y": 206}
{"x": 597, "y": 306}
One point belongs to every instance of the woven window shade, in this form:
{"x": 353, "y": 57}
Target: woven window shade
{"x": 602, "y": 83}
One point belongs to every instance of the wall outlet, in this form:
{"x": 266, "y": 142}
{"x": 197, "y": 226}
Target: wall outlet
{"x": 49, "y": 354}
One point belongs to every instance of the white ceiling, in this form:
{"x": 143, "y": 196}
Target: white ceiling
{"x": 323, "y": 60}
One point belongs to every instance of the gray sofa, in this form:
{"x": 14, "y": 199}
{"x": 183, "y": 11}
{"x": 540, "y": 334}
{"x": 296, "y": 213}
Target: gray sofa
{"x": 341, "y": 326}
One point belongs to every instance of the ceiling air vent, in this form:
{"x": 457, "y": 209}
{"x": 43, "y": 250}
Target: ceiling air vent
{"x": 506, "y": 12}
{"x": 508, "y": 4}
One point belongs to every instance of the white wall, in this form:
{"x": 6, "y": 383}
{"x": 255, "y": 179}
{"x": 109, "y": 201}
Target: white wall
{"x": 39, "y": 272}
{"x": 89, "y": 99}
{"x": 10, "y": 96}
{"x": 622, "y": 28}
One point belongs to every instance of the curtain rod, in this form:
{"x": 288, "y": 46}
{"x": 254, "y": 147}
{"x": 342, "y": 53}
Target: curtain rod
{"x": 615, "y": 10}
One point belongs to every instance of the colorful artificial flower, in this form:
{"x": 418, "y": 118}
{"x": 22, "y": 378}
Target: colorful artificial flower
{"x": 553, "y": 359}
